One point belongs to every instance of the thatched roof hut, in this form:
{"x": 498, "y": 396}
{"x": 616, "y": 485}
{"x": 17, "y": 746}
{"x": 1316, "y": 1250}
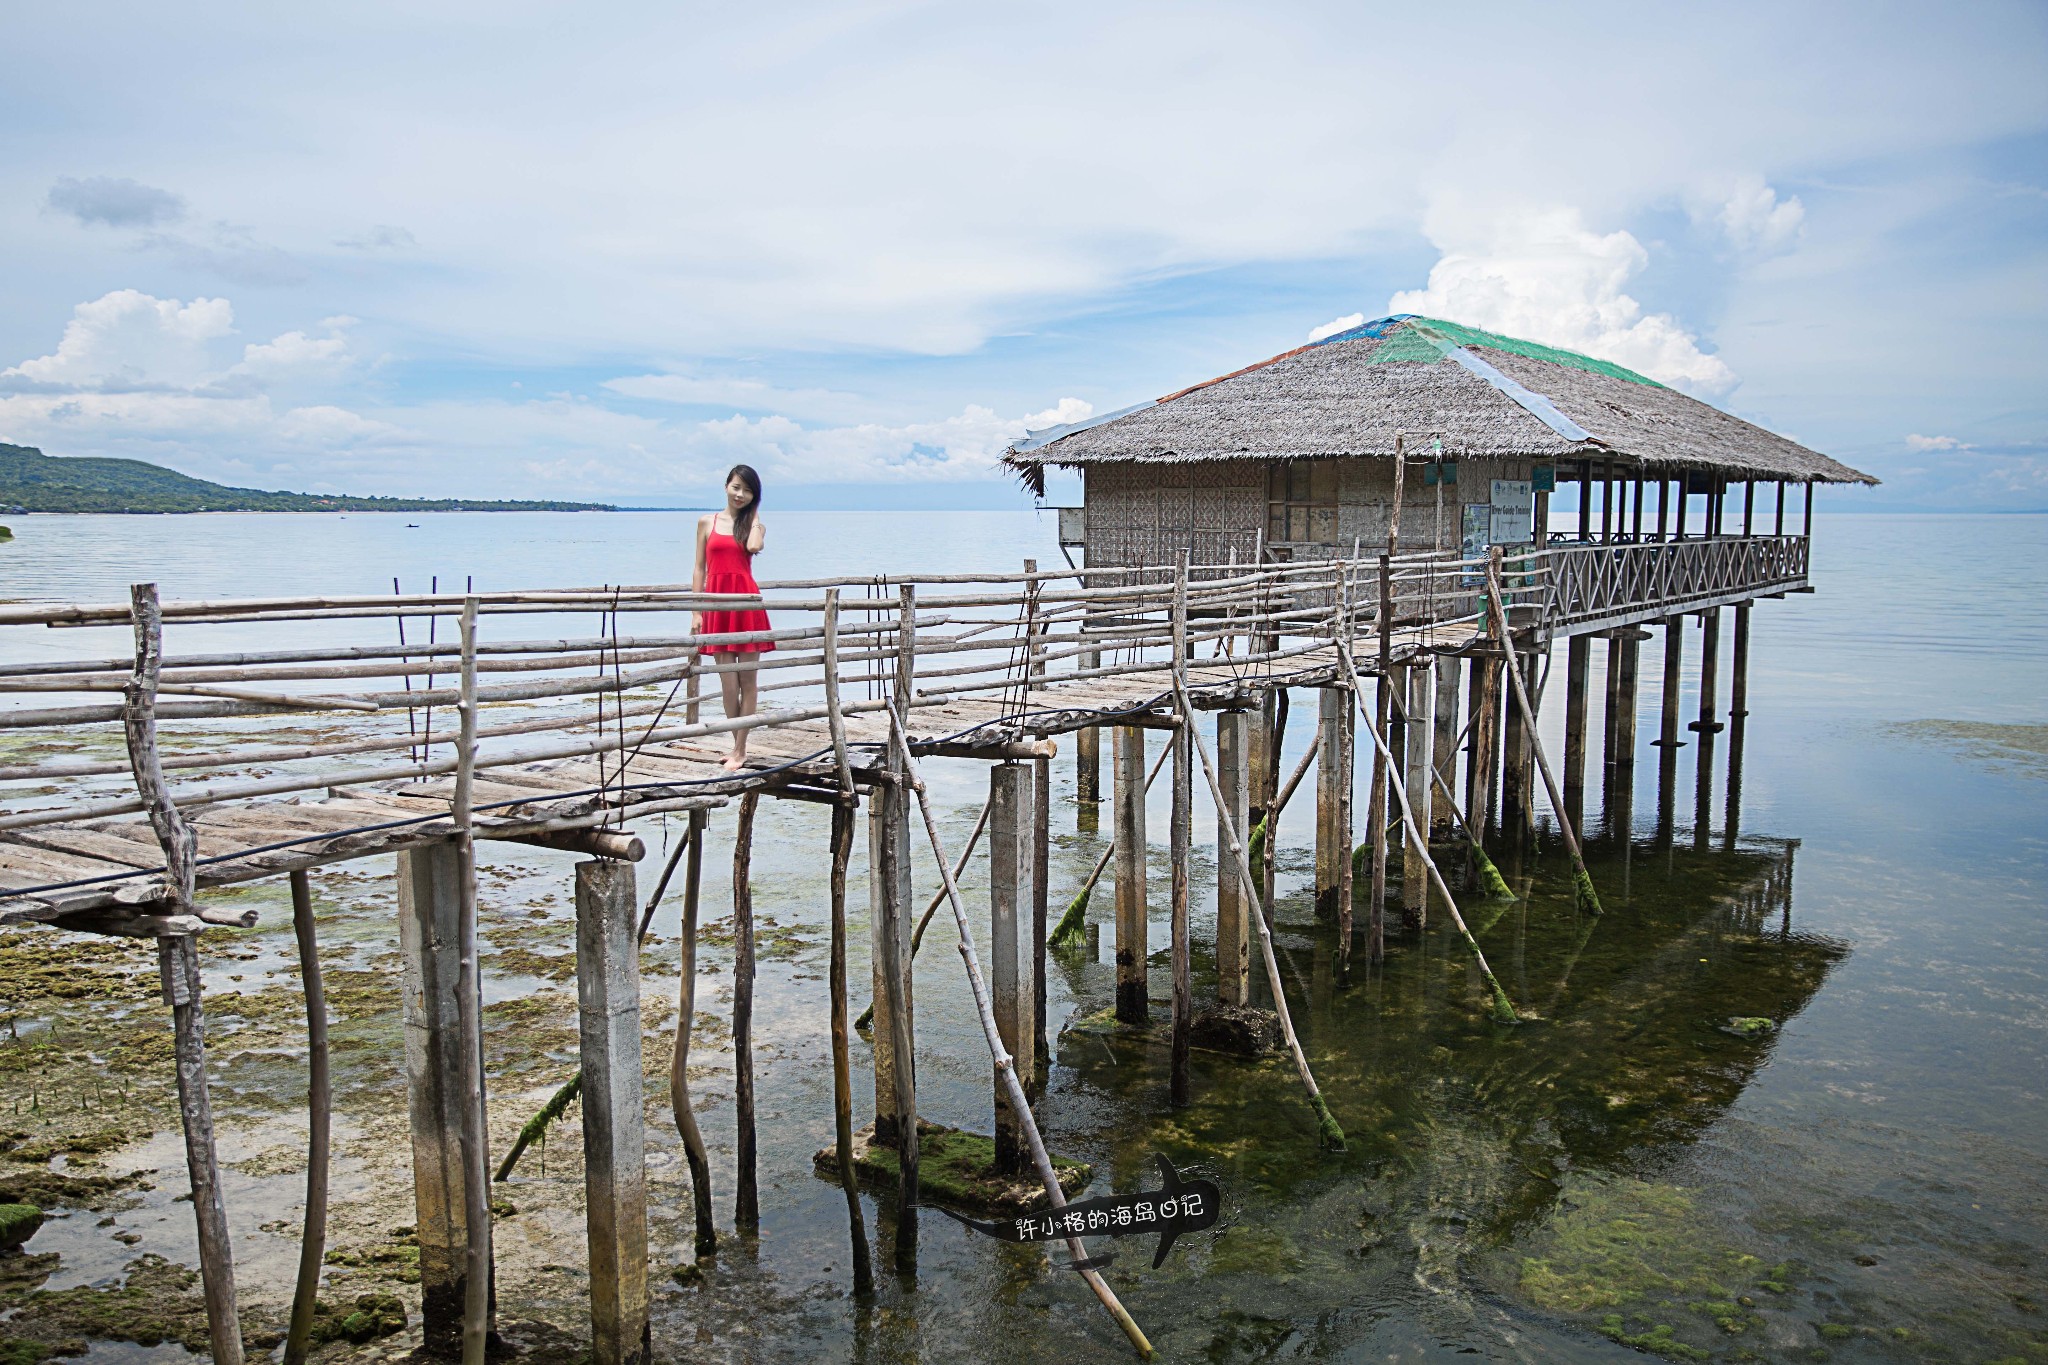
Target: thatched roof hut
{"x": 1485, "y": 396}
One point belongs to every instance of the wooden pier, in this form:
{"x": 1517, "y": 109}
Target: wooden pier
{"x": 266, "y": 762}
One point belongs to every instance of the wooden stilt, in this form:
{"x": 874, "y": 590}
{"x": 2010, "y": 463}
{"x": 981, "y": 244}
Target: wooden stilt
{"x": 1482, "y": 774}
{"x": 1233, "y": 926}
{"x": 1710, "y": 665}
{"x": 1444, "y": 753}
{"x": 1674, "y": 659}
{"x": 475, "y": 1138}
{"x": 1088, "y": 760}
{"x": 1041, "y": 874}
{"x": 1421, "y": 688}
{"x": 319, "y": 1121}
{"x": 842, "y": 1064}
{"x": 746, "y": 1208}
{"x": 1333, "y": 783}
{"x": 1181, "y": 849}
{"x": 1131, "y": 949}
{"x": 178, "y": 969}
{"x": 1623, "y": 656}
{"x": 614, "y": 1142}
{"x": 1010, "y": 897}
{"x": 1578, "y": 681}
{"x": 430, "y": 975}
{"x": 679, "y": 1059}
{"x": 1738, "y": 670}
{"x": 1376, "y": 802}
{"x": 889, "y": 883}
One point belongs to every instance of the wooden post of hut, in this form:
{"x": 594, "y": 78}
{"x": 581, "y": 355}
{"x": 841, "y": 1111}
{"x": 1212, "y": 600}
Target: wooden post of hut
{"x": 1444, "y": 754}
{"x": 1013, "y": 869}
{"x": 1088, "y": 760}
{"x": 1738, "y": 668}
{"x": 1623, "y": 655}
{"x": 1710, "y": 663}
{"x": 1233, "y": 913}
{"x": 1483, "y": 751}
{"x": 1578, "y": 675}
{"x": 1421, "y": 685}
{"x": 429, "y": 911}
{"x": 1333, "y": 804}
{"x": 614, "y": 1140}
{"x": 1517, "y": 787}
{"x": 1131, "y": 951}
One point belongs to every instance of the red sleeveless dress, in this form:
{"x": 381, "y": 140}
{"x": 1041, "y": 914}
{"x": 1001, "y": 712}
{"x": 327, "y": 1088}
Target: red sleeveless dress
{"x": 727, "y": 568}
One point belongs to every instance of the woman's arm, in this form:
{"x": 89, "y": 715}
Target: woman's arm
{"x": 757, "y": 536}
{"x": 697, "y": 574}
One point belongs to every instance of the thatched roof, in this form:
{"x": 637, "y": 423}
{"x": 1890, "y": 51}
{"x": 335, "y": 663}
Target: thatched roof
{"x": 1483, "y": 395}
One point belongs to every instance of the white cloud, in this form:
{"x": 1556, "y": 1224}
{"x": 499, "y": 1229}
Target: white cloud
{"x": 1543, "y": 275}
{"x": 1755, "y": 219}
{"x": 1919, "y": 442}
{"x": 383, "y": 237}
{"x": 1336, "y": 325}
{"x": 294, "y": 356}
{"x": 129, "y": 338}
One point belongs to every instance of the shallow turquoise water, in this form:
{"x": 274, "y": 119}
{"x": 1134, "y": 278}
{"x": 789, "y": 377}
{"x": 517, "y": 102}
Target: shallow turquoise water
{"x": 1878, "y": 1157}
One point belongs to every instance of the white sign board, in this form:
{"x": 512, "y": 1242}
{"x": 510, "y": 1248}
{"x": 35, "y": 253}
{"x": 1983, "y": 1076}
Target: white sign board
{"x": 1513, "y": 519}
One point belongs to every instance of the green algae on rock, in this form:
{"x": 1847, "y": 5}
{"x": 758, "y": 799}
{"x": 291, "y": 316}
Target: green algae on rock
{"x": 957, "y": 1169}
{"x": 18, "y": 1223}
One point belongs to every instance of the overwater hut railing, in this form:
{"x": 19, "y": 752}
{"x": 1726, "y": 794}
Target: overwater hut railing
{"x": 1620, "y": 585}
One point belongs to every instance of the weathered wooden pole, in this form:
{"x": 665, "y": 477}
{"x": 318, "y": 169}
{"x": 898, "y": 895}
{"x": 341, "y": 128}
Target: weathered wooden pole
{"x": 889, "y": 910}
{"x": 1578, "y": 675}
{"x": 1483, "y": 750}
{"x": 1444, "y": 754}
{"x": 842, "y": 1063}
{"x": 1088, "y": 759}
{"x": 679, "y": 1059}
{"x": 614, "y": 1140}
{"x": 1710, "y": 665}
{"x": 178, "y": 972}
{"x": 319, "y": 1124}
{"x": 1738, "y": 671}
{"x": 1041, "y": 875}
{"x": 1333, "y": 790}
{"x": 1233, "y": 925}
{"x": 475, "y": 1137}
{"x": 1131, "y": 949}
{"x": 1011, "y": 868}
{"x": 1181, "y": 849}
{"x": 1674, "y": 682}
{"x": 1376, "y": 802}
{"x": 429, "y": 911}
{"x": 1623, "y": 655}
{"x": 746, "y": 1207}
{"x": 1421, "y": 749}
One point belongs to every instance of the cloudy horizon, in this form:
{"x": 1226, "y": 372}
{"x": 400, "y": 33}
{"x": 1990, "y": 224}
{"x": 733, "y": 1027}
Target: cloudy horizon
{"x": 521, "y": 252}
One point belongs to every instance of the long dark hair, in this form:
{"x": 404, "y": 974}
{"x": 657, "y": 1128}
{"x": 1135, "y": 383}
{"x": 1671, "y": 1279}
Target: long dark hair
{"x": 743, "y": 520}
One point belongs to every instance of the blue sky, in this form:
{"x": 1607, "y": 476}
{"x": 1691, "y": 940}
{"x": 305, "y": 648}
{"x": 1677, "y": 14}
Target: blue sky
{"x": 530, "y": 250}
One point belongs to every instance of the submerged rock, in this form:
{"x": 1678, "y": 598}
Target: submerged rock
{"x": 18, "y": 1223}
{"x": 1238, "y": 1030}
{"x": 1750, "y": 1026}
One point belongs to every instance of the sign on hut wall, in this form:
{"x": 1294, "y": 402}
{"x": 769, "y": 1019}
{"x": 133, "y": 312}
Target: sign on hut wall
{"x": 1513, "y": 516}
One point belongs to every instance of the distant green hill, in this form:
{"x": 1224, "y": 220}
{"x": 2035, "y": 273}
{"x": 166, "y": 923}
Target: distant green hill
{"x": 31, "y": 481}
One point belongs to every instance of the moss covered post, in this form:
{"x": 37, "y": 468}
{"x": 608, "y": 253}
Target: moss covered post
{"x": 1333, "y": 805}
{"x": 890, "y": 934}
{"x": 614, "y": 1139}
{"x": 1444, "y": 753}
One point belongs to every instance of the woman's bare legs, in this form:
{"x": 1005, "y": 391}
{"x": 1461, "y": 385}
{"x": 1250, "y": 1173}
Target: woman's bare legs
{"x": 741, "y": 693}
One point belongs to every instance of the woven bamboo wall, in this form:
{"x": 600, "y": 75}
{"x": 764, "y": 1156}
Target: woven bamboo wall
{"x": 1149, "y": 514}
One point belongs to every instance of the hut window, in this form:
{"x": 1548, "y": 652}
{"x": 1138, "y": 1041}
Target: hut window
{"x": 1301, "y": 502}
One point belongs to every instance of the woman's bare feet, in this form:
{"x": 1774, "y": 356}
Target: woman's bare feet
{"x": 732, "y": 763}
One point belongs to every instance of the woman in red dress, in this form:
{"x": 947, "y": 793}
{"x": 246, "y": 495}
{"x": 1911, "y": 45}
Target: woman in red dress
{"x": 726, "y": 545}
